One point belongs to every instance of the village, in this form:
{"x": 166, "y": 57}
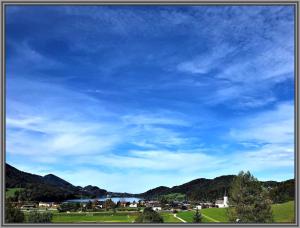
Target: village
{"x": 122, "y": 205}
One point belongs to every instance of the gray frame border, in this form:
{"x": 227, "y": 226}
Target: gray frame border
{"x": 296, "y": 4}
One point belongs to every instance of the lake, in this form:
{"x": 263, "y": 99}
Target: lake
{"x": 114, "y": 199}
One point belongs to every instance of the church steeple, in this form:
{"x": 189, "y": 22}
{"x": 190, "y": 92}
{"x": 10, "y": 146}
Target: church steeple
{"x": 225, "y": 199}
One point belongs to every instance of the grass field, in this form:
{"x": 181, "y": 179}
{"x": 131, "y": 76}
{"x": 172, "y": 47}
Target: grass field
{"x": 121, "y": 217}
{"x": 94, "y": 217}
{"x": 169, "y": 218}
{"x": 282, "y": 213}
{"x": 188, "y": 216}
{"x": 10, "y": 192}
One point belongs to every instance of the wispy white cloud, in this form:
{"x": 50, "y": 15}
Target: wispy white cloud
{"x": 207, "y": 61}
{"x": 274, "y": 126}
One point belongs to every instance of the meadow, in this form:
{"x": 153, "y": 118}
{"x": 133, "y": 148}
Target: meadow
{"x": 169, "y": 217}
{"x": 283, "y": 213}
{"x": 119, "y": 217}
{"x": 10, "y": 192}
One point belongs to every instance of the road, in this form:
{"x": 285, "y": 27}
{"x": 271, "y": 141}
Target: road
{"x": 209, "y": 218}
{"x": 175, "y": 215}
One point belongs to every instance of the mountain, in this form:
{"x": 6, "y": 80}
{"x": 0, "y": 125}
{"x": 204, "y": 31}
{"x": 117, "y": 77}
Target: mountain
{"x": 47, "y": 188}
{"x": 203, "y": 189}
{"x": 16, "y": 178}
{"x": 94, "y": 191}
{"x": 53, "y": 188}
{"x": 56, "y": 181}
{"x": 156, "y": 192}
{"x": 198, "y": 189}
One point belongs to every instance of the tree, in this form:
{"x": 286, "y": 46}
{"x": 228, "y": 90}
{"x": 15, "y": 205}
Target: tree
{"x": 13, "y": 214}
{"x": 89, "y": 205}
{"x": 197, "y": 217}
{"x": 68, "y": 207}
{"x": 109, "y": 204}
{"x": 36, "y": 217}
{"x": 149, "y": 216}
{"x": 249, "y": 200}
{"x": 282, "y": 192}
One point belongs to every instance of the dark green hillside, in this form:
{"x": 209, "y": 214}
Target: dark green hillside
{"x": 56, "y": 181}
{"x": 47, "y": 188}
{"x": 198, "y": 189}
{"x": 94, "y": 191}
{"x": 52, "y": 188}
{"x": 283, "y": 191}
{"x": 205, "y": 189}
{"x": 211, "y": 189}
{"x": 15, "y": 178}
{"x": 156, "y": 192}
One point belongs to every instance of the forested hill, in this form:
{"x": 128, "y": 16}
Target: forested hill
{"x": 53, "y": 188}
{"x": 211, "y": 189}
{"x": 198, "y": 189}
{"x": 47, "y": 188}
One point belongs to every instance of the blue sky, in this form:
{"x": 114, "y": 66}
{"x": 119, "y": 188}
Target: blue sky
{"x": 133, "y": 97}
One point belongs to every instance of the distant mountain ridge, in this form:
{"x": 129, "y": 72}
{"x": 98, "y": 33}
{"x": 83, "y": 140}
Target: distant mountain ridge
{"x": 48, "y": 187}
{"x": 54, "y": 180}
{"x": 53, "y": 188}
{"x": 198, "y": 189}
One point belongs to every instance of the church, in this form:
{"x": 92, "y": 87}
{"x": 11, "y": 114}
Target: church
{"x": 222, "y": 203}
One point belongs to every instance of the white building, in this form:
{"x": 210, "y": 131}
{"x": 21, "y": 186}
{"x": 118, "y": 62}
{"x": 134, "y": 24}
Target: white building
{"x": 199, "y": 207}
{"x": 42, "y": 204}
{"x": 156, "y": 208}
{"x": 133, "y": 205}
{"x": 222, "y": 203}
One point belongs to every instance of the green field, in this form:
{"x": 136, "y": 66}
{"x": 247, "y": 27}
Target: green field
{"x": 169, "y": 218}
{"x": 94, "y": 217}
{"x": 188, "y": 216}
{"x": 215, "y": 214}
{"x": 10, "y": 192}
{"x": 121, "y": 217}
{"x": 282, "y": 213}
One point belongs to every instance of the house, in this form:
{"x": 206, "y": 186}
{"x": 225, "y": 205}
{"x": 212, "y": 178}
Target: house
{"x": 222, "y": 203}
{"x": 152, "y": 203}
{"x": 133, "y": 205}
{"x": 156, "y": 208}
{"x": 28, "y": 206}
{"x": 199, "y": 207}
{"x": 142, "y": 202}
{"x": 43, "y": 204}
{"x": 54, "y": 205}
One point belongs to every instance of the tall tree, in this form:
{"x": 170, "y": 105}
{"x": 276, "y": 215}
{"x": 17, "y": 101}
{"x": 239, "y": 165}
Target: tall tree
{"x": 197, "y": 217}
{"x": 109, "y": 204}
{"x": 249, "y": 202}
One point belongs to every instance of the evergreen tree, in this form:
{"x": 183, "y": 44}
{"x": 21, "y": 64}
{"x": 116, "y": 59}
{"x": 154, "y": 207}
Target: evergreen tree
{"x": 109, "y": 204}
{"x": 197, "y": 217}
{"x": 249, "y": 201}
